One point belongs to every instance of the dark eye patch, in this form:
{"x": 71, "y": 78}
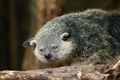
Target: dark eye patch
{"x": 54, "y": 47}
{"x": 41, "y": 50}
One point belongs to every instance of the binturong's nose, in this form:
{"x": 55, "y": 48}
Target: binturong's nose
{"x": 48, "y": 56}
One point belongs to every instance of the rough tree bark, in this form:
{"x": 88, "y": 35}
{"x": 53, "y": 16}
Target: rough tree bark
{"x": 66, "y": 73}
{"x": 46, "y": 10}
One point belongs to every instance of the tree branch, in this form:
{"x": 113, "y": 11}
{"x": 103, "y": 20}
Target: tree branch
{"x": 65, "y": 73}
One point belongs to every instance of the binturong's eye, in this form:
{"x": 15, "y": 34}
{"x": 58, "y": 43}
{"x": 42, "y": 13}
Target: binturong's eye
{"x": 41, "y": 50}
{"x": 54, "y": 46}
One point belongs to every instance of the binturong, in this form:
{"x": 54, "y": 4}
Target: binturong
{"x": 88, "y": 37}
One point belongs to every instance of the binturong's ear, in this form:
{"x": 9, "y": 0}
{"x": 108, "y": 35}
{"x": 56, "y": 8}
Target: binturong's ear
{"x": 65, "y": 36}
{"x": 30, "y": 43}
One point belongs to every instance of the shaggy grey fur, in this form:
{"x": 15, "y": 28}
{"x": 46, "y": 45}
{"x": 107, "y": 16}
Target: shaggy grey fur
{"x": 92, "y": 36}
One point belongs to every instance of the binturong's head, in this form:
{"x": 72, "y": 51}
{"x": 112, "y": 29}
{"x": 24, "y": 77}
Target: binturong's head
{"x": 51, "y": 46}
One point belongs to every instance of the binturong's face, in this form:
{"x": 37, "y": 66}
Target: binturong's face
{"x": 51, "y": 48}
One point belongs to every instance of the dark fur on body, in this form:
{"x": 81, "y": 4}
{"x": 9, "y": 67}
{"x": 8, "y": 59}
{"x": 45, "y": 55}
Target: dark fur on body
{"x": 93, "y": 37}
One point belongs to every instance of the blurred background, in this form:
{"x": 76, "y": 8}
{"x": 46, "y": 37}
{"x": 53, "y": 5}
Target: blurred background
{"x": 21, "y": 19}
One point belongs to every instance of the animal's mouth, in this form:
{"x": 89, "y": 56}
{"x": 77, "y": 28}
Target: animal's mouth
{"x": 53, "y": 60}
{"x": 53, "y": 64}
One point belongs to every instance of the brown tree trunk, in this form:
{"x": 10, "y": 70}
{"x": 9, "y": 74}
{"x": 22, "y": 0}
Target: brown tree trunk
{"x": 46, "y": 10}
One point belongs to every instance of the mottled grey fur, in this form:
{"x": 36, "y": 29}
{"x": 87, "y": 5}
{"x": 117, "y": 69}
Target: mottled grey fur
{"x": 92, "y": 36}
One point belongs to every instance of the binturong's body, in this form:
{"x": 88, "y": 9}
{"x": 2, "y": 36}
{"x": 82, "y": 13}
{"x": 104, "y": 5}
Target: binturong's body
{"x": 89, "y": 37}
